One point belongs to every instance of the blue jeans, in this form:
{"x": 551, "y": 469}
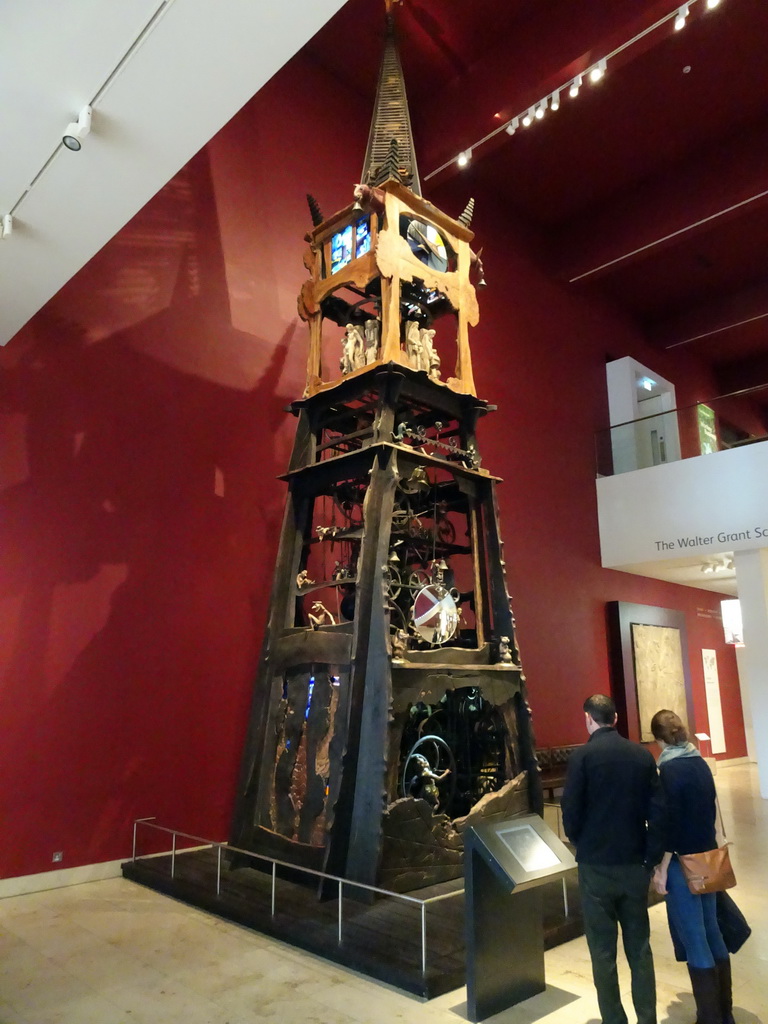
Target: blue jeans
{"x": 694, "y": 918}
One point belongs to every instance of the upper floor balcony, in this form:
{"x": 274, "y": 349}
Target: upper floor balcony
{"x": 680, "y": 490}
{"x": 668, "y": 435}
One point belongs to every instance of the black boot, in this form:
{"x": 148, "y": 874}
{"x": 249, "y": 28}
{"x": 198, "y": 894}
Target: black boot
{"x": 726, "y": 990}
{"x": 705, "y": 982}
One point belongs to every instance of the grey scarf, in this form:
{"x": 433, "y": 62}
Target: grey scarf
{"x": 680, "y": 750}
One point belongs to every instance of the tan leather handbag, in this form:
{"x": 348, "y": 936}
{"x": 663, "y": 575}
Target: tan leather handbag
{"x": 710, "y": 871}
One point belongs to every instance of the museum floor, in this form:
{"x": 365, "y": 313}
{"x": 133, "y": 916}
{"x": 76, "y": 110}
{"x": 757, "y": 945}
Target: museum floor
{"x": 112, "y": 952}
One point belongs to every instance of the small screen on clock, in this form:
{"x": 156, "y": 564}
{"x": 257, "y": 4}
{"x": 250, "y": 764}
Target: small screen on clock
{"x": 341, "y": 249}
{"x": 362, "y": 237}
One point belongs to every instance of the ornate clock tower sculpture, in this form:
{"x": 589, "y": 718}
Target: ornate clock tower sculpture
{"x": 389, "y": 707}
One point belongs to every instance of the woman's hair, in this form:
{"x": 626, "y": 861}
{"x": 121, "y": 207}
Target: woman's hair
{"x": 665, "y": 725}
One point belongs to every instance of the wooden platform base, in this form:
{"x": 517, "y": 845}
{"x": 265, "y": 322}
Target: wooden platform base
{"x": 381, "y": 939}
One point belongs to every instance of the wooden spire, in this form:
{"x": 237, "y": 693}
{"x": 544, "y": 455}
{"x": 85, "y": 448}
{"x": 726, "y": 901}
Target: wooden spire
{"x": 314, "y": 209}
{"x": 465, "y": 218}
{"x": 391, "y": 121}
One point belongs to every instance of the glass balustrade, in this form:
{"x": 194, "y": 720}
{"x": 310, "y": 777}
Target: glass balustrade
{"x": 729, "y": 421}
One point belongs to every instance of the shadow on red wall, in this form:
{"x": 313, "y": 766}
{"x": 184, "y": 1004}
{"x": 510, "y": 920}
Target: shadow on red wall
{"x": 137, "y": 555}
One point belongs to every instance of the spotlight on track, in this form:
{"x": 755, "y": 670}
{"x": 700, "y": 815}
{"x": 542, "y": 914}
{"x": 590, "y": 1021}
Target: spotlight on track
{"x": 682, "y": 17}
{"x": 598, "y": 71}
{"x": 77, "y": 130}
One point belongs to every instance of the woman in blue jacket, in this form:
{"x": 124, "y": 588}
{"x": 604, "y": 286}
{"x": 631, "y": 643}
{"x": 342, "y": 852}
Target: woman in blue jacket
{"x": 689, "y": 793}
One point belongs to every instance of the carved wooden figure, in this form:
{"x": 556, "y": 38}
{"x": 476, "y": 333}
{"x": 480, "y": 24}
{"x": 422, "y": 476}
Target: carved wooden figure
{"x": 413, "y": 348}
{"x": 372, "y": 335}
{"x": 430, "y": 357}
{"x": 320, "y": 615}
{"x": 352, "y": 349}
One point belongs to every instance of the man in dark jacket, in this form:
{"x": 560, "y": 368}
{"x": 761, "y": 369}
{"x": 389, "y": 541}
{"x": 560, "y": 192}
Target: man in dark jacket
{"x": 612, "y": 813}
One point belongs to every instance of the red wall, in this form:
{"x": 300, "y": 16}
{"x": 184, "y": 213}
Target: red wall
{"x": 540, "y": 351}
{"x": 142, "y": 433}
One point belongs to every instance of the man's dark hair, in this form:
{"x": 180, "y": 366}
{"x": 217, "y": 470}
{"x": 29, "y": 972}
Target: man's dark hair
{"x": 601, "y": 708}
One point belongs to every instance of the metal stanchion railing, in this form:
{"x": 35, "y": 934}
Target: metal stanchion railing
{"x": 555, "y": 804}
{"x": 403, "y": 897}
{"x": 137, "y": 822}
{"x": 423, "y": 938}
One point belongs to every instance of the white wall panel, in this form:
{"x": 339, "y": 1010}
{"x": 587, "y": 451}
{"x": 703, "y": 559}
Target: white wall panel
{"x": 698, "y": 506}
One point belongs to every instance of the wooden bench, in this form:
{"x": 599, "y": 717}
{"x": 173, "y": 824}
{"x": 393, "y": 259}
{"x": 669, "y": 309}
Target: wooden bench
{"x": 553, "y": 764}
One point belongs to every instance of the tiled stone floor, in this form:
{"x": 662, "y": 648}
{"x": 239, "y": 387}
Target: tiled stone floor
{"x": 111, "y": 952}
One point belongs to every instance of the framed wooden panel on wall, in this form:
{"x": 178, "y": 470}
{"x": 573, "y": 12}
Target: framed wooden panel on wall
{"x": 648, "y": 648}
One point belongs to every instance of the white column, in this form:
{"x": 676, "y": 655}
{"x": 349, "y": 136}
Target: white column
{"x": 752, "y": 579}
{"x": 746, "y": 706}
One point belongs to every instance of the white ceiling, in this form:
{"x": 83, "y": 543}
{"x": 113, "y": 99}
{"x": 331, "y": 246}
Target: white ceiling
{"x": 688, "y": 572}
{"x": 190, "y": 66}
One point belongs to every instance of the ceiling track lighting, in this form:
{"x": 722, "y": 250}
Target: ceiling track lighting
{"x": 713, "y": 565}
{"x": 77, "y": 130}
{"x": 595, "y": 74}
{"x": 573, "y": 92}
{"x": 682, "y": 17}
{"x": 598, "y": 71}
{"x": 6, "y": 227}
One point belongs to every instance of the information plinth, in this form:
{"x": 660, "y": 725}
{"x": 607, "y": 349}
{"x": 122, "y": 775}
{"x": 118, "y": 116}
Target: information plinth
{"x": 505, "y": 864}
